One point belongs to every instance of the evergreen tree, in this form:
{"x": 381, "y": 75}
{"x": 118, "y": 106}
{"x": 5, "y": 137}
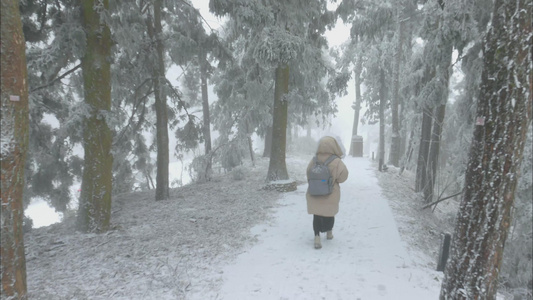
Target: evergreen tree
{"x": 94, "y": 210}
{"x": 461, "y": 114}
{"x": 442, "y": 34}
{"x": 242, "y": 104}
{"x": 206, "y": 48}
{"x": 348, "y": 60}
{"x": 378, "y": 66}
{"x": 503, "y": 117}
{"x": 404, "y": 19}
{"x": 155, "y": 32}
{"x": 374, "y": 28}
{"x": 132, "y": 94}
{"x": 136, "y": 73}
{"x": 55, "y": 43}
{"x": 140, "y": 53}
{"x": 14, "y": 146}
{"x": 277, "y": 34}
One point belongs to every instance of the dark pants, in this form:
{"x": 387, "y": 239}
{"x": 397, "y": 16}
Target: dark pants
{"x": 322, "y": 224}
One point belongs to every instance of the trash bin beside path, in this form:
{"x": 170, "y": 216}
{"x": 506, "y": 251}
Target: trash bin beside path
{"x": 357, "y": 146}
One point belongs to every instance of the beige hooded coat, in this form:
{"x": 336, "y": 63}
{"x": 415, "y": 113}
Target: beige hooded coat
{"x": 328, "y": 205}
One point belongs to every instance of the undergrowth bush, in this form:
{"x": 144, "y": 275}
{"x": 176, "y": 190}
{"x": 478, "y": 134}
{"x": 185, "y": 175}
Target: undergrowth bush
{"x": 238, "y": 173}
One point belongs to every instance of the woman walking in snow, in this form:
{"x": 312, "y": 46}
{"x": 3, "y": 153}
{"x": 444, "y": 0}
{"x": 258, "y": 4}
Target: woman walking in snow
{"x": 325, "y": 207}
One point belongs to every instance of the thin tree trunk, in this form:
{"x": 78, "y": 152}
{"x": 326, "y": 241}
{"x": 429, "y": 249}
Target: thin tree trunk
{"x": 250, "y": 145}
{"x": 357, "y": 108}
{"x": 403, "y": 135}
{"x": 205, "y": 110}
{"x": 409, "y": 153}
{"x": 382, "y": 103}
{"x": 434, "y": 150}
{"x": 155, "y": 33}
{"x": 290, "y": 138}
{"x": 95, "y": 199}
{"x": 15, "y": 130}
{"x": 423, "y": 150}
{"x": 504, "y": 114}
{"x": 409, "y": 10}
{"x": 268, "y": 137}
{"x": 438, "y": 121}
{"x": 149, "y": 181}
{"x": 394, "y": 156}
{"x": 357, "y": 103}
{"x": 268, "y": 142}
{"x": 277, "y": 168}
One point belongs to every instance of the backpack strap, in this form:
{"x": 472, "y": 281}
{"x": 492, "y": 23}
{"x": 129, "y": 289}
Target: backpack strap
{"x": 330, "y": 159}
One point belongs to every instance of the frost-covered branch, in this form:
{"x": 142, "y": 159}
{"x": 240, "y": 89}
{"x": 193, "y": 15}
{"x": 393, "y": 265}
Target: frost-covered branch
{"x": 56, "y": 79}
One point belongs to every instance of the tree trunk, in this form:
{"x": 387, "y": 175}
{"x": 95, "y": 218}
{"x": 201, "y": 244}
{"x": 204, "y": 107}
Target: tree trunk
{"x": 205, "y": 109}
{"x": 290, "y": 138}
{"x": 357, "y": 103}
{"x": 503, "y": 116}
{"x": 268, "y": 142}
{"x": 409, "y": 153}
{"x": 277, "y": 168}
{"x": 155, "y": 33}
{"x": 250, "y": 144}
{"x": 95, "y": 200}
{"x": 15, "y": 130}
{"x": 382, "y": 103}
{"x": 434, "y": 149}
{"x": 423, "y": 150}
{"x": 394, "y": 156}
{"x": 403, "y": 136}
{"x": 443, "y": 73}
{"x": 407, "y": 35}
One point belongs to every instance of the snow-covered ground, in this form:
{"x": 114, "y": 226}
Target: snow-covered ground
{"x": 365, "y": 260}
{"x": 230, "y": 239}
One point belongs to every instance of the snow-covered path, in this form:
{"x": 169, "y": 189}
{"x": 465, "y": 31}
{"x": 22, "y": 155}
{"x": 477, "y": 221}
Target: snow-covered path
{"x": 365, "y": 260}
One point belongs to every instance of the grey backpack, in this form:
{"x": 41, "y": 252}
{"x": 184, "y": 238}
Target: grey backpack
{"x": 319, "y": 178}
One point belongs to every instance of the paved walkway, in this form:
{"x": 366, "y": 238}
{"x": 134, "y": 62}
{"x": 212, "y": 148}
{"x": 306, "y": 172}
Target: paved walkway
{"x": 366, "y": 260}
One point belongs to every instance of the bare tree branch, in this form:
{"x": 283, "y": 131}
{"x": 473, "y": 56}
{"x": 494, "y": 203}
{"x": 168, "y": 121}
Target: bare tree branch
{"x": 56, "y": 79}
{"x": 440, "y": 200}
